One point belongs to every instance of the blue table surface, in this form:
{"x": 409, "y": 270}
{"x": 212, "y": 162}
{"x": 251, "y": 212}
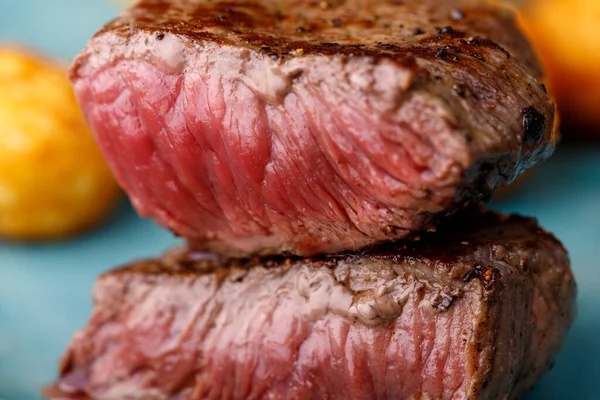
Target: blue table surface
{"x": 45, "y": 289}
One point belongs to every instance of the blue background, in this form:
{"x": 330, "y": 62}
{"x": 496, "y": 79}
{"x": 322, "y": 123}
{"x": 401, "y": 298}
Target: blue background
{"x": 45, "y": 289}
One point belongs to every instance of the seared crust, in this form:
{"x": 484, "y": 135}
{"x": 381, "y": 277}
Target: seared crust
{"x": 296, "y": 28}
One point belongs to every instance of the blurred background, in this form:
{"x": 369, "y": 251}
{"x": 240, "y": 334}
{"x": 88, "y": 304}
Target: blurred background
{"x": 63, "y": 220}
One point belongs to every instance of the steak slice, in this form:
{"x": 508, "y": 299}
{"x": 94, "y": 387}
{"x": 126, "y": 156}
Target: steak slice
{"x": 309, "y": 127}
{"x": 477, "y": 311}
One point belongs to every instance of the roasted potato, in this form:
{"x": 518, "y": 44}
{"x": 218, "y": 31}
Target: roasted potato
{"x": 566, "y": 34}
{"x": 53, "y": 179}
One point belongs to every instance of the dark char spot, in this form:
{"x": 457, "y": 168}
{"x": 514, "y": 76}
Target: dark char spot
{"x": 441, "y": 53}
{"x": 474, "y": 41}
{"x": 418, "y": 31}
{"x": 336, "y": 22}
{"x": 471, "y": 274}
{"x": 160, "y": 36}
{"x": 534, "y": 124}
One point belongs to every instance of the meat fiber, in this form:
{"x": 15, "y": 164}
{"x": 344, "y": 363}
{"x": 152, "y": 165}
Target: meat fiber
{"x": 476, "y": 311}
{"x": 308, "y": 127}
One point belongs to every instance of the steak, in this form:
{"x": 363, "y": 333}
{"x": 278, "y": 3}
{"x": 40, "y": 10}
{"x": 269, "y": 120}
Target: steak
{"x": 476, "y": 311}
{"x": 309, "y": 127}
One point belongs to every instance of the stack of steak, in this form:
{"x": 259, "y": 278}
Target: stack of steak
{"x": 324, "y": 161}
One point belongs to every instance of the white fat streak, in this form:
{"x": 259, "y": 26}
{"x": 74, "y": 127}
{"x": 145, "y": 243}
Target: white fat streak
{"x": 169, "y": 51}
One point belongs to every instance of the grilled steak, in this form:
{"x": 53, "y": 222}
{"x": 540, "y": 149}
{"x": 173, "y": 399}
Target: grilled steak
{"x": 309, "y": 127}
{"x": 477, "y": 311}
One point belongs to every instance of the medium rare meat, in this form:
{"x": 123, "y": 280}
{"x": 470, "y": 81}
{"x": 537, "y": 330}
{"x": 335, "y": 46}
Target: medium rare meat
{"x": 308, "y": 127}
{"x": 476, "y": 311}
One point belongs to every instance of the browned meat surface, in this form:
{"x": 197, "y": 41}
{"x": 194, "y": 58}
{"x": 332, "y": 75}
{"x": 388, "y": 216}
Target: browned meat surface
{"x": 309, "y": 127}
{"x": 477, "y": 311}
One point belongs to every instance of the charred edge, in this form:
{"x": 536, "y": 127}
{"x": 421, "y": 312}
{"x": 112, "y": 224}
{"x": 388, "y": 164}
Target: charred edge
{"x": 448, "y": 45}
{"x": 452, "y": 240}
{"x": 488, "y": 275}
{"x": 534, "y": 124}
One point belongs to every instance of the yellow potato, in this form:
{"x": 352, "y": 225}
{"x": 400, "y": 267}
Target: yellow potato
{"x": 566, "y": 34}
{"x": 53, "y": 180}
